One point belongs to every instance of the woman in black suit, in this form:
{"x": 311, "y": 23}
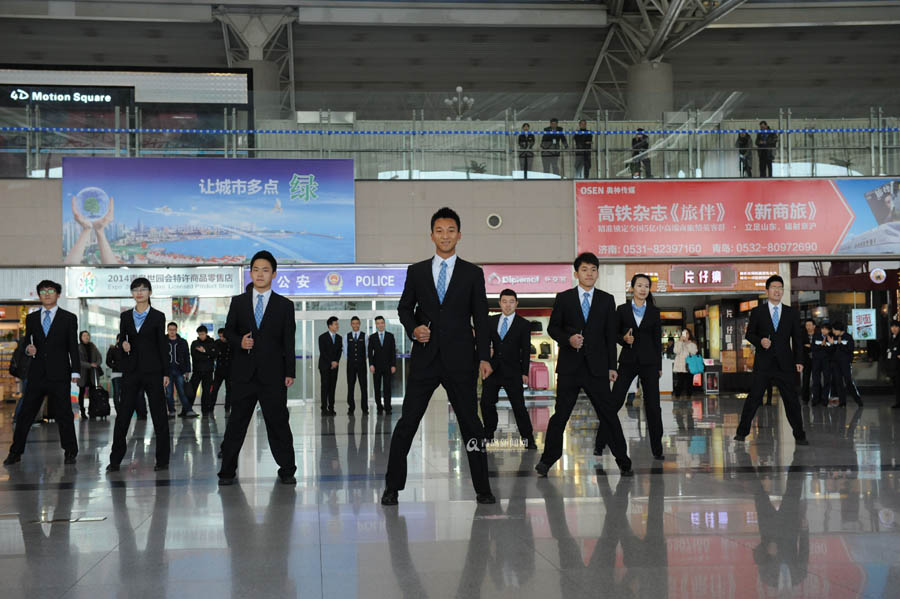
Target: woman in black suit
{"x": 640, "y": 335}
{"x": 142, "y": 333}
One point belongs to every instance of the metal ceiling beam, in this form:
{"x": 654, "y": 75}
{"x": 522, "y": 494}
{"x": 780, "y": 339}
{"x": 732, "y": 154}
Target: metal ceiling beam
{"x": 688, "y": 32}
{"x": 601, "y": 56}
{"x": 665, "y": 27}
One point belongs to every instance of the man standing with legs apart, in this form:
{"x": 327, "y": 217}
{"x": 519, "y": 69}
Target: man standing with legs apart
{"x": 441, "y": 297}
{"x": 774, "y": 330}
{"x": 583, "y": 323}
{"x": 330, "y": 348}
{"x": 382, "y": 364}
{"x": 145, "y": 350}
{"x": 203, "y": 358}
{"x": 51, "y": 335}
{"x": 356, "y": 368}
{"x": 260, "y": 326}
{"x": 510, "y": 359}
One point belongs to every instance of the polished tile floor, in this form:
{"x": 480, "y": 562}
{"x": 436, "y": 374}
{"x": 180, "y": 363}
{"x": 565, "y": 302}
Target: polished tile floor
{"x": 716, "y": 519}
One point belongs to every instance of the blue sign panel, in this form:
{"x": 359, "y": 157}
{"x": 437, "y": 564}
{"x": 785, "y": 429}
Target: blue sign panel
{"x": 337, "y": 281}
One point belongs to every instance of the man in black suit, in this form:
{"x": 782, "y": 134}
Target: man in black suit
{"x": 810, "y": 325}
{"x": 330, "y": 349}
{"x": 382, "y": 364}
{"x": 52, "y": 337}
{"x": 583, "y": 323}
{"x": 146, "y": 357}
{"x": 441, "y": 297}
{"x": 261, "y": 326}
{"x": 842, "y": 374}
{"x": 510, "y": 359}
{"x": 774, "y": 330}
{"x": 356, "y": 368}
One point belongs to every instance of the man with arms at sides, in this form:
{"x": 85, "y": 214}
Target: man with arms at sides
{"x": 356, "y": 368}
{"x": 260, "y": 326}
{"x": 51, "y": 335}
{"x": 330, "y": 349}
{"x": 441, "y": 297}
{"x": 774, "y": 330}
{"x": 146, "y": 356}
{"x": 583, "y": 323}
{"x": 203, "y": 358}
{"x": 222, "y": 372}
{"x": 510, "y": 359}
{"x": 806, "y": 382}
{"x": 382, "y": 364}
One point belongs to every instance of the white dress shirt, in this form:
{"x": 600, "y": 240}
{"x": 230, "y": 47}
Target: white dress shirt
{"x": 509, "y": 318}
{"x": 265, "y": 297}
{"x": 436, "y": 268}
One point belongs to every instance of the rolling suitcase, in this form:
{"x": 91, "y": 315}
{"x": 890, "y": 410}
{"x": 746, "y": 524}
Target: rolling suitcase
{"x": 538, "y": 376}
{"x": 99, "y": 400}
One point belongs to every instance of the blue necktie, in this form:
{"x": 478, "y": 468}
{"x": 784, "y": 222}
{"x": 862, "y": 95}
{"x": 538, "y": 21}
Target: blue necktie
{"x": 775, "y": 318}
{"x": 442, "y": 282}
{"x": 139, "y": 318}
{"x": 504, "y": 327}
{"x": 258, "y": 313}
{"x": 46, "y": 322}
{"x": 381, "y": 338}
{"x": 586, "y": 305}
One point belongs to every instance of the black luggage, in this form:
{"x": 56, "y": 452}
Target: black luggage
{"x": 99, "y": 400}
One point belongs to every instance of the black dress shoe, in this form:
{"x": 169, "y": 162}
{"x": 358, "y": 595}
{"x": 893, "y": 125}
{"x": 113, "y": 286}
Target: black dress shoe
{"x": 859, "y": 402}
{"x": 380, "y": 409}
{"x": 69, "y": 458}
{"x": 288, "y": 479}
{"x": 486, "y": 498}
{"x": 389, "y": 497}
{"x": 159, "y": 467}
{"x": 387, "y": 410}
{"x": 530, "y": 443}
{"x": 219, "y": 455}
{"x": 112, "y": 468}
{"x": 542, "y": 469}
{"x": 332, "y": 413}
{"x": 740, "y": 438}
{"x": 12, "y": 458}
{"x": 225, "y": 481}
{"x": 659, "y": 456}
{"x": 365, "y": 412}
{"x": 598, "y": 451}
{"x": 626, "y": 472}
{"x": 801, "y": 442}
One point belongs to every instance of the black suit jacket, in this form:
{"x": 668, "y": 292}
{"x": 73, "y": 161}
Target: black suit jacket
{"x": 892, "y": 353}
{"x": 647, "y": 346}
{"x": 807, "y": 348}
{"x": 465, "y": 303}
{"x": 382, "y": 357}
{"x": 843, "y": 348}
{"x": 821, "y": 349}
{"x": 57, "y": 352}
{"x": 356, "y": 351}
{"x": 272, "y": 357}
{"x": 787, "y": 342}
{"x": 598, "y": 353}
{"x": 329, "y": 352}
{"x": 149, "y": 349}
{"x": 512, "y": 354}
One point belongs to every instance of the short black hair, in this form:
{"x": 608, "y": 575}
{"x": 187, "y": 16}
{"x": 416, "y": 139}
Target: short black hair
{"x": 446, "y": 212}
{"x": 377, "y": 318}
{"x": 838, "y": 326}
{"x": 895, "y": 323}
{"x": 586, "y": 258}
{"x": 356, "y": 318}
{"x": 248, "y": 286}
{"x": 554, "y": 120}
{"x": 220, "y": 331}
{"x": 48, "y": 284}
{"x": 809, "y": 320}
{"x": 141, "y": 282}
{"x": 774, "y": 279}
{"x": 331, "y": 319}
{"x": 172, "y": 324}
{"x": 509, "y": 292}
{"x": 267, "y": 256}
{"x": 202, "y": 329}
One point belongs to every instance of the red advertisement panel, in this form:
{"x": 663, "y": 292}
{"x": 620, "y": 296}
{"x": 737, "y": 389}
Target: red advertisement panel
{"x": 715, "y": 219}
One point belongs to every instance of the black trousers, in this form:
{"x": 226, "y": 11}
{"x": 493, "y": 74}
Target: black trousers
{"x": 59, "y": 407}
{"x": 463, "y": 398}
{"x": 806, "y": 383}
{"x": 134, "y": 385}
{"x": 550, "y": 164}
{"x": 786, "y": 381}
{"x": 219, "y": 378}
{"x": 358, "y": 372}
{"x": 490, "y": 390}
{"x": 649, "y": 377}
{"x": 597, "y": 390}
{"x": 582, "y": 165}
{"x": 683, "y": 383}
{"x": 842, "y": 378}
{"x": 84, "y": 391}
{"x": 204, "y": 381}
{"x": 273, "y": 401}
{"x": 765, "y": 162}
{"x": 329, "y": 377}
{"x": 896, "y": 379}
{"x": 381, "y": 380}
{"x": 526, "y": 163}
{"x": 820, "y": 382}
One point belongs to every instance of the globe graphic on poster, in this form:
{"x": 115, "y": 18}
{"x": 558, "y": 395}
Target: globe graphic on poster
{"x": 92, "y": 202}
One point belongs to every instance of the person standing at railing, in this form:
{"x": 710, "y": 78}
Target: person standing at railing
{"x": 766, "y": 142}
{"x": 526, "y": 156}
{"x": 550, "y": 144}
{"x": 744, "y": 144}
{"x": 583, "y": 143}
{"x": 640, "y": 157}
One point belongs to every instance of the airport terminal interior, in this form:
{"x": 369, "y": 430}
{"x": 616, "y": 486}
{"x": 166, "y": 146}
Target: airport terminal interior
{"x": 708, "y": 145}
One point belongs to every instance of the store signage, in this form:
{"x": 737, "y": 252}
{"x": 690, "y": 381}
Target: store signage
{"x": 671, "y": 315}
{"x": 746, "y": 218}
{"x": 862, "y": 327}
{"x": 340, "y": 281}
{"x": 528, "y": 278}
{"x": 65, "y": 95}
{"x": 703, "y": 277}
{"x": 200, "y": 281}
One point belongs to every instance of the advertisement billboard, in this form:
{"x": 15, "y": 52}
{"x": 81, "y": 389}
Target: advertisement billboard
{"x": 743, "y": 219}
{"x": 207, "y": 210}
